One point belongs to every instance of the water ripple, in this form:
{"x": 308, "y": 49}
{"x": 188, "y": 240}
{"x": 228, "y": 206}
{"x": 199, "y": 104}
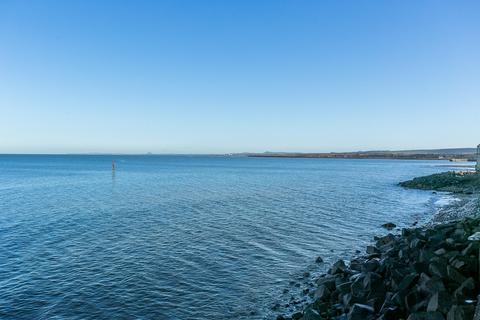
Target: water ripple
{"x": 184, "y": 237}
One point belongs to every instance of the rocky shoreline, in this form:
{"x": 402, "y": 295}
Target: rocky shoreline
{"x": 430, "y": 272}
{"x": 462, "y": 182}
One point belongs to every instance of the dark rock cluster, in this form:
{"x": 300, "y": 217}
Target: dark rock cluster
{"x": 420, "y": 274}
{"x": 457, "y": 182}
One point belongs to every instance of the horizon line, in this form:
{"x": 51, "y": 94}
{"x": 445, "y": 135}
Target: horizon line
{"x": 218, "y": 154}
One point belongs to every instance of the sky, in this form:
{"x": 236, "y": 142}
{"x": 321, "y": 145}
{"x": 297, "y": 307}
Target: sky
{"x": 205, "y": 76}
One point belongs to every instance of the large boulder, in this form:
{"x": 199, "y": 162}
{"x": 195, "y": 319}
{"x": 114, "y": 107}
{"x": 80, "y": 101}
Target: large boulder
{"x": 426, "y": 316}
{"x": 382, "y": 241}
{"x": 361, "y": 312}
{"x": 322, "y": 293}
{"x": 457, "y": 312}
{"x": 465, "y": 290}
{"x": 328, "y": 281}
{"x": 338, "y": 267}
{"x": 389, "y": 225}
{"x": 440, "y": 301}
{"x": 311, "y": 314}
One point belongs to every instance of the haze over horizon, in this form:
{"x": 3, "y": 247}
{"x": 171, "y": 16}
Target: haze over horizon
{"x": 238, "y": 76}
{"x": 455, "y": 150}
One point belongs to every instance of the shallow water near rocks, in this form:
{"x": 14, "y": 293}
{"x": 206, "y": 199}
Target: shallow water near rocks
{"x": 186, "y": 237}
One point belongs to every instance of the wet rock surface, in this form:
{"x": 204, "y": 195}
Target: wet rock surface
{"x": 389, "y": 226}
{"x": 423, "y": 273}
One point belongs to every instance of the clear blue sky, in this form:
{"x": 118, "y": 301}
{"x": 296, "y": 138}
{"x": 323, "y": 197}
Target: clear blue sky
{"x": 230, "y": 76}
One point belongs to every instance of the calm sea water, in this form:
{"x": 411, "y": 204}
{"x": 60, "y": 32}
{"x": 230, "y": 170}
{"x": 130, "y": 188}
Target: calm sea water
{"x": 185, "y": 237}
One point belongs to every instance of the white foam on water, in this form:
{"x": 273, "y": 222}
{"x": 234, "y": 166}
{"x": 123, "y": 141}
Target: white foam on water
{"x": 445, "y": 200}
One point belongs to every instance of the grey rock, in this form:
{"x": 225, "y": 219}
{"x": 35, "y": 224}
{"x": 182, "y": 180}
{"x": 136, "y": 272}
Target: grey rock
{"x": 426, "y": 316}
{"x": 416, "y": 243}
{"x": 472, "y": 248}
{"x": 391, "y": 313}
{"x": 370, "y": 265}
{"x": 357, "y": 287}
{"x": 407, "y": 282}
{"x": 459, "y": 235}
{"x": 477, "y": 309}
{"x": 328, "y": 281}
{"x": 454, "y": 275}
{"x": 356, "y": 265}
{"x": 438, "y": 269}
{"x": 297, "y": 315}
{"x": 320, "y": 306}
{"x": 430, "y": 285}
{"x": 421, "y": 267}
{"x": 344, "y": 287}
{"x": 440, "y": 252}
{"x": 311, "y": 314}
{"x": 372, "y": 250}
{"x": 427, "y": 273}
{"x": 322, "y": 293}
{"x": 338, "y": 267}
{"x": 450, "y": 241}
{"x": 372, "y": 281}
{"x": 361, "y": 312}
{"x": 457, "y": 312}
{"x": 389, "y": 225}
{"x": 465, "y": 289}
{"x": 414, "y": 301}
{"x": 433, "y": 304}
{"x": 385, "y": 240}
{"x": 406, "y": 232}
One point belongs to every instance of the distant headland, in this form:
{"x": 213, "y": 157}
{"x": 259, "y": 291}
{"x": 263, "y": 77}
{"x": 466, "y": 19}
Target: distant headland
{"x": 457, "y": 154}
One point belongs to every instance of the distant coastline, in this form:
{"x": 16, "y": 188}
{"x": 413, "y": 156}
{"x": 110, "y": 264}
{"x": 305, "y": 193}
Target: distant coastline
{"x": 454, "y": 155}
{"x": 458, "y": 155}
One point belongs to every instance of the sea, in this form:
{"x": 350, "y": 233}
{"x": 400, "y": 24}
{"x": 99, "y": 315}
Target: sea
{"x": 188, "y": 237}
